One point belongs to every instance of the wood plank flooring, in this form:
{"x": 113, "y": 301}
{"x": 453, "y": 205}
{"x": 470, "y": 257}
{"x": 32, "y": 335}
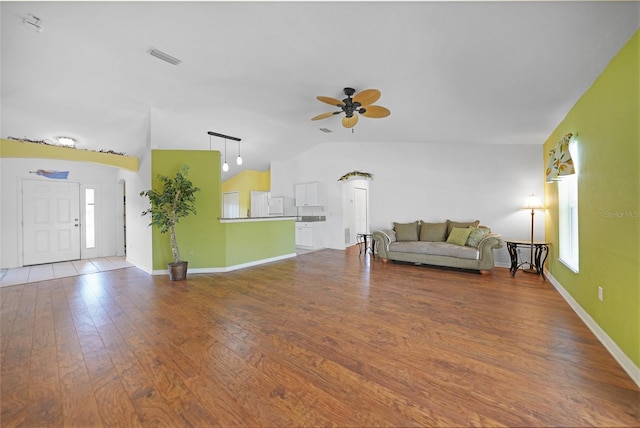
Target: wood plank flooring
{"x": 325, "y": 339}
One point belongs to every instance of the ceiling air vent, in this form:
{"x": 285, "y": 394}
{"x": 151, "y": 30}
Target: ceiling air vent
{"x": 327, "y": 130}
{"x": 163, "y": 56}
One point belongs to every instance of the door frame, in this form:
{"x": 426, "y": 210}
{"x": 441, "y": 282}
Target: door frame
{"x": 84, "y": 252}
{"x": 20, "y": 205}
{"x": 348, "y": 208}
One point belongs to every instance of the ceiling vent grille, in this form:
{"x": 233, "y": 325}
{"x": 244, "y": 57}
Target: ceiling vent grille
{"x": 327, "y": 130}
{"x": 163, "y": 56}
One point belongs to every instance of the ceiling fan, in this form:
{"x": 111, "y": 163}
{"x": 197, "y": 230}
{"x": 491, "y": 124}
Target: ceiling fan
{"x": 360, "y": 103}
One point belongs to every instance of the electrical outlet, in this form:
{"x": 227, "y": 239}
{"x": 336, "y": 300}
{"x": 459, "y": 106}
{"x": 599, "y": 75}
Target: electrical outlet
{"x": 191, "y": 252}
{"x": 600, "y": 294}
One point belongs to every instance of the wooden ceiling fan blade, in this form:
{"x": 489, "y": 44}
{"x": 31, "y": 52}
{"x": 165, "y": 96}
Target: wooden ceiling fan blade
{"x": 332, "y": 101}
{"x": 376, "y": 112}
{"x": 324, "y": 115}
{"x": 349, "y": 122}
{"x": 367, "y": 97}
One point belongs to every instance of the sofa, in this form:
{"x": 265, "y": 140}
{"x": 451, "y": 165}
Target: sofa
{"x": 454, "y": 244}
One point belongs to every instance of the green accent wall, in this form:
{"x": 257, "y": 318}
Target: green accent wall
{"x": 607, "y": 120}
{"x": 204, "y": 241}
{"x": 249, "y": 241}
{"x": 243, "y": 183}
{"x": 201, "y": 237}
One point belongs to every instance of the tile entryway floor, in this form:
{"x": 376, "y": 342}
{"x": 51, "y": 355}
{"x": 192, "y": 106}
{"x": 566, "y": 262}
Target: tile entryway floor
{"x": 44, "y": 272}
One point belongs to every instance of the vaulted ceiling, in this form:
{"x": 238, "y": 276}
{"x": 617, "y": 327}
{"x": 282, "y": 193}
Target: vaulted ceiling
{"x": 450, "y": 72}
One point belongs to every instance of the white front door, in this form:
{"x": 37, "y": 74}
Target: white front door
{"x": 50, "y": 221}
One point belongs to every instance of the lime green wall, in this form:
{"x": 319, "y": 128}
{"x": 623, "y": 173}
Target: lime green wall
{"x": 25, "y": 149}
{"x": 248, "y": 241}
{"x": 201, "y": 237}
{"x": 205, "y": 242}
{"x": 606, "y": 119}
{"x": 244, "y": 182}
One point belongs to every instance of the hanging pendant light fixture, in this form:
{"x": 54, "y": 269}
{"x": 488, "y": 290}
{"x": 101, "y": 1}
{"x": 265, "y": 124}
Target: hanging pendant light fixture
{"x": 239, "y": 158}
{"x": 225, "y": 165}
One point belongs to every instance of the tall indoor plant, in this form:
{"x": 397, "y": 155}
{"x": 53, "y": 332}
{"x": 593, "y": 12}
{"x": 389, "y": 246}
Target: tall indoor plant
{"x": 175, "y": 200}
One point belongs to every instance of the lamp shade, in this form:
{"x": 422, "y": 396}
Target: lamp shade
{"x": 533, "y": 203}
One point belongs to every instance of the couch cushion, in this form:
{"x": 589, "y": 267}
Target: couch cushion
{"x": 406, "y": 231}
{"x": 433, "y": 232}
{"x": 435, "y": 249}
{"x": 451, "y": 224}
{"x": 477, "y": 234}
{"x": 459, "y": 235}
{"x": 452, "y": 250}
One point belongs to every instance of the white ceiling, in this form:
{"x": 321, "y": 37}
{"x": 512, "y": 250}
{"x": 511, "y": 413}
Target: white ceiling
{"x": 450, "y": 72}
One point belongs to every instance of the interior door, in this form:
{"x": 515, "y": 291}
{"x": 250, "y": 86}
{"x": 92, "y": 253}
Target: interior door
{"x": 360, "y": 208}
{"x": 50, "y": 221}
{"x": 231, "y": 205}
{"x": 259, "y": 204}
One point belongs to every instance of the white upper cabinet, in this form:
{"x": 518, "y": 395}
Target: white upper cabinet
{"x": 308, "y": 195}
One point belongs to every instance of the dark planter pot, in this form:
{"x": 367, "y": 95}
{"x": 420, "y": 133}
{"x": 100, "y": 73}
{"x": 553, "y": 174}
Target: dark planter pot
{"x": 177, "y": 271}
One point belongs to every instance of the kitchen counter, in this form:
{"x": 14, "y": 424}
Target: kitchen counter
{"x": 250, "y": 219}
{"x": 310, "y": 218}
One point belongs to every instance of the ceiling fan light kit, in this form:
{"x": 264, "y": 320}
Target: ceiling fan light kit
{"x": 361, "y": 103}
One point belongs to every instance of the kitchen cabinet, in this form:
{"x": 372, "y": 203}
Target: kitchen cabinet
{"x": 308, "y": 195}
{"x": 310, "y": 235}
{"x": 304, "y": 235}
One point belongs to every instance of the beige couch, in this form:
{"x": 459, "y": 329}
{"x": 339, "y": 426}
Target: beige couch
{"x": 464, "y": 245}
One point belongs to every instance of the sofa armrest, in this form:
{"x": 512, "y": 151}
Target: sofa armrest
{"x": 383, "y": 238}
{"x": 490, "y": 242}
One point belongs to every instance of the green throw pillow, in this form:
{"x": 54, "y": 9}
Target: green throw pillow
{"x": 433, "y": 232}
{"x": 459, "y": 235}
{"x": 452, "y": 224}
{"x": 406, "y": 231}
{"x": 477, "y": 235}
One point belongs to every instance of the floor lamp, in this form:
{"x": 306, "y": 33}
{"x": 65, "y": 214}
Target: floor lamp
{"x": 532, "y": 203}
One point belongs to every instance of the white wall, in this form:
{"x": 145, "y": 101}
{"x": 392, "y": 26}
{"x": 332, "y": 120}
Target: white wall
{"x": 14, "y": 170}
{"x": 139, "y": 240}
{"x": 425, "y": 181}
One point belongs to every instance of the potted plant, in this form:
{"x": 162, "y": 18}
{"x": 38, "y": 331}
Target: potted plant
{"x": 175, "y": 200}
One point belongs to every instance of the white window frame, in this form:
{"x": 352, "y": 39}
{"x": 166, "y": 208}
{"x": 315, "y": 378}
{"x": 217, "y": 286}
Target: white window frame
{"x": 90, "y": 253}
{"x": 569, "y": 236}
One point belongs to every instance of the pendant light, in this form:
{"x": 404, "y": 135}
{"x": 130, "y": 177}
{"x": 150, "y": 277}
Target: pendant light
{"x": 239, "y": 159}
{"x": 225, "y": 165}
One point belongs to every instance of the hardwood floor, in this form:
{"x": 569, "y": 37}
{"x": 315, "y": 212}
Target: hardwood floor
{"x": 326, "y": 338}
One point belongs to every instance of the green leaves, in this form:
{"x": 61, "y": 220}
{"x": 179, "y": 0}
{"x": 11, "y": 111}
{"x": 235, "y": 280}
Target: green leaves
{"x": 175, "y": 200}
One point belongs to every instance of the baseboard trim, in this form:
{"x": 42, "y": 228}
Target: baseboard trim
{"x": 230, "y": 268}
{"x": 625, "y": 362}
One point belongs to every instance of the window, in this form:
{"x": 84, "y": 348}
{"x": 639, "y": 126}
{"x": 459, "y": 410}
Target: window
{"x": 568, "y": 215}
{"x": 90, "y": 218}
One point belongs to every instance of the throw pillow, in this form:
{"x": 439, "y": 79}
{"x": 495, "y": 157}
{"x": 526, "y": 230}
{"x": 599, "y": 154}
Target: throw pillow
{"x": 477, "y": 235}
{"x": 459, "y": 235}
{"x": 406, "y": 231}
{"x": 433, "y": 232}
{"x": 463, "y": 224}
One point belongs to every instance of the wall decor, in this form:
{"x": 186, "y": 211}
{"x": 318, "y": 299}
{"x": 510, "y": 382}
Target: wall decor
{"x": 356, "y": 174}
